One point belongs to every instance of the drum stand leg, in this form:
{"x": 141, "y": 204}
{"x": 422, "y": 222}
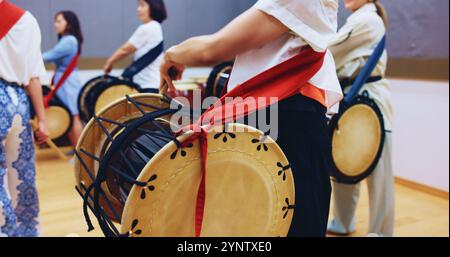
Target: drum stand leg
{"x": 50, "y": 143}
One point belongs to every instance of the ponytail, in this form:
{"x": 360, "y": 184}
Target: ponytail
{"x": 381, "y": 12}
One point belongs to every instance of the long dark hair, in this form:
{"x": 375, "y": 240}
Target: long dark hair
{"x": 73, "y": 27}
{"x": 158, "y": 10}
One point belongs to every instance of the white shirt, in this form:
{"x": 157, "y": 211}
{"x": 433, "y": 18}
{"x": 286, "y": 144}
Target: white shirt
{"x": 20, "y": 52}
{"x": 354, "y": 44}
{"x": 145, "y": 38}
{"x": 311, "y": 22}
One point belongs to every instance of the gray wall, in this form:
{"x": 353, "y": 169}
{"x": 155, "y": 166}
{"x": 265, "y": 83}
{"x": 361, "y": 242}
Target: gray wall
{"x": 419, "y": 28}
{"x": 108, "y": 23}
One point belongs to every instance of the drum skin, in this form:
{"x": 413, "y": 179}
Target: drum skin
{"x": 58, "y": 116}
{"x": 59, "y": 121}
{"x": 358, "y": 135}
{"x": 100, "y": 92}
{"x": 218, "y": 79}
{"x": 249, "y": 189}
{"x": 94, "y": 141}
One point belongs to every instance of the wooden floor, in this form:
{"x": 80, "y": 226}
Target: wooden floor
{"x": 417, "y": 213}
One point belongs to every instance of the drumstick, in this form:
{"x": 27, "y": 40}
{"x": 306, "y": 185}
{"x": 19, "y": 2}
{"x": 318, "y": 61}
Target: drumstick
{"x": 50, "y": 143}
{"x": 173, "y": 74}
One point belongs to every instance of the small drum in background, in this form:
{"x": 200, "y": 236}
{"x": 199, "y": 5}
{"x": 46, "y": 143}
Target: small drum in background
{"x": 218, "y": 79}
{"x": 58, "y": 117}
{"x": 185, "y": 88}
{"x": 199, "y": 79}
{"x": 101, "y": 91}
{"x": 358, "y": 135}
{"x": 188, "y": 89}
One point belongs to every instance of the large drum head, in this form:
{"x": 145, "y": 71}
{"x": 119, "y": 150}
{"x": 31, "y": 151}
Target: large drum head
{"x": 94, "y": 144}
{"x": 249, "y": 189}
{"x": 357, "y": 142}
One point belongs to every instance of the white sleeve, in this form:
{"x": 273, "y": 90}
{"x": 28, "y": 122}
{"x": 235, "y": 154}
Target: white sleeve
{"x": 36, "y": 63}
{"x": 315, "y": 21}
{"x": 144, "y": 35}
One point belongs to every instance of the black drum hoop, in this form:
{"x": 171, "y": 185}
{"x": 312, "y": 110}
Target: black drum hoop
{"x": 337, "y": 175}
{"x": 85, "y": 90}
{"x": 88, "y": 99}
{"x": 210, "y": 84}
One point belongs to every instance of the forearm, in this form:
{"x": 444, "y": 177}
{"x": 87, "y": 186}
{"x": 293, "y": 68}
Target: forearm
{"x": 236, "y": 38}
{"x": 198, "y": 51}
{"x": 35, "y": 93}
{"x": 120, "y": 54}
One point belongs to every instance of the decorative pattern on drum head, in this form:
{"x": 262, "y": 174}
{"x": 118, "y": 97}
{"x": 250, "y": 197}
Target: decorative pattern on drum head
{"x": 261, "y": 144}
{"x": 180, "y": 149}
{"x": 133, "y": 230}
{"x": 149, "y": 186}
{"x": 283, "y": 170}
{"x": 170, "y": 209}
{"x": 225, "y": 135}
{"x": 287, "y": 208}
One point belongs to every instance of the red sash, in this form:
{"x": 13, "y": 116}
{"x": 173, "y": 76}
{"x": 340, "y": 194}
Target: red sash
{"x": 282, "y": 81}
{"x": 9, "y": 16}
{"x": 72, "y": 65}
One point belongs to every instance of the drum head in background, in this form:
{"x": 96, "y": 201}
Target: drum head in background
{"x": 83, "y": 96}
{"x": 249, "y": 192}
{"x": 59, "y": 121}
{"x": 218, "y": 78}
{"x": 115, "y": 91}
{"x": 357, "y": 141}
{"x": 100, "y": 92}
{"x": 94, "y": 141}
{"x": 58, "y": 117}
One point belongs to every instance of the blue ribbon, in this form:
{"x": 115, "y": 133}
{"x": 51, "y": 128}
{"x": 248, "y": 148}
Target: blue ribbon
{"x": 140, "y": 64}
{"x": 366, "y": 71}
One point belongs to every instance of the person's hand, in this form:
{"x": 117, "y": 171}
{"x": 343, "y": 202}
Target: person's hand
{"x": 170, "y": 71}
{"x": 41, "y": 133}
{"x": 108, "y": 67}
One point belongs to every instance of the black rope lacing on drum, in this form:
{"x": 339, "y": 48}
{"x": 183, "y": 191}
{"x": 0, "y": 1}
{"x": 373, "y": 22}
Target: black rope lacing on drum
{"x": 106, "y": 224}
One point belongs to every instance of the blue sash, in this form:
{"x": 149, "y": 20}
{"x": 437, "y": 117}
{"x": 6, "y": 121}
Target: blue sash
{"x": 366, "y": 71}
{"x": 141, "y": 63}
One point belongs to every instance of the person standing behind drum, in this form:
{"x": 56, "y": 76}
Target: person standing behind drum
{"x": 21, "y": 68}
{"x": 69, "y": 45}
{"x": 353, "y": 45}
{"x": 147, "y": 36}
{"x": 265, "y": 36}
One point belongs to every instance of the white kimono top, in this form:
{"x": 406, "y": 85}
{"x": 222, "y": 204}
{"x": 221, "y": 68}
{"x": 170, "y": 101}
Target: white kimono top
{"x": 311, "y": 23}
{"x": 352, "y": 47}
{"x": 20, "y": 52}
